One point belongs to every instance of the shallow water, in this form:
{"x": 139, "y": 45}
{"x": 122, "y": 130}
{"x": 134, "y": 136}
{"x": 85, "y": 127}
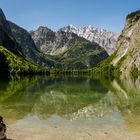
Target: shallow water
{"x": 70, "y": 108}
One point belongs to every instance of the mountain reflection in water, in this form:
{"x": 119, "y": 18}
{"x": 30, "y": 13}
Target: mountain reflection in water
{"x": 72, "y": 99}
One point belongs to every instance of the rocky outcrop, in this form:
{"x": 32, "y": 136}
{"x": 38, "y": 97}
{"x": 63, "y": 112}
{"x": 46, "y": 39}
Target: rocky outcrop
{"x": 6, "y": 38}
{"x": 127, "y": 57}
{"x": 44, "y": 38}
{"x": 4, "y": 23}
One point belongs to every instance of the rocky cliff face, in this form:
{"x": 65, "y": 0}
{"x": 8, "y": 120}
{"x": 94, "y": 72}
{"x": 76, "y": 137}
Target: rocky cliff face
{"x": 12, "y": 58}
{"x": 44, "y": 38}
{"x": 6, "y": 37}
{"x": 127, "y": 57}
{"x": 53, "y": 43}
{"x": 104, "y": 38}
{"x": 28, "y": 46}
{"x": 4, "y": 23}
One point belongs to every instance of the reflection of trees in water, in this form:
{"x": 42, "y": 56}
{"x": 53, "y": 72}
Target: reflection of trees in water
{"x": 128, "y": 93}
{"x": 66, "y": 96}
{"x": 72, "y": 98}
{"x": 14, "y": 104}
{"x": 44, "y": 97}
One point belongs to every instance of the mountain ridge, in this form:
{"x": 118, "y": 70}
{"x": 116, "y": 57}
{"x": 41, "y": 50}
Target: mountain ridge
{"x": 71, "y": 50}
{"x": 12, "y": 58}
{"x": 105, "y": 38}
{"x": 26, "y": 57}
{"x": 127, "y": 57}
{"x": 28, "y": 46}
{"x": 124, "y": 63}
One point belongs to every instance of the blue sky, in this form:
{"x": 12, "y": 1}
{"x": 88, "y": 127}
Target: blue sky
{"x": 108, "y": 14}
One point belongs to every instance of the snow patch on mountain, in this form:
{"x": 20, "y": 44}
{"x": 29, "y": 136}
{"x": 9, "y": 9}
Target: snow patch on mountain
{"x": 103, "y": 37}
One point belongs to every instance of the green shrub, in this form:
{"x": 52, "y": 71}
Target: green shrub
{"x": 134, "y": 71}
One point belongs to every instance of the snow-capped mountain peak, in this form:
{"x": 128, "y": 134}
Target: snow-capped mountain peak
{"x": 103, "y": 37}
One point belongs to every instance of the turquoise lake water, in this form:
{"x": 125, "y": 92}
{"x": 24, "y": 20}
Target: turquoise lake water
{"x": 70, "y": 108}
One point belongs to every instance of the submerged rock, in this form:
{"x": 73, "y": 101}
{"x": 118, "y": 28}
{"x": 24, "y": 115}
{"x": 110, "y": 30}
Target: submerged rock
{"x": 2, "y": 129}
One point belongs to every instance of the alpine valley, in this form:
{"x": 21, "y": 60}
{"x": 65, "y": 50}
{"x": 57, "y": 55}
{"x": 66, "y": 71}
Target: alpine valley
{"x": 73, "y": 83}
{"x": 69, "y": 48}
{"x": 72, "y": 51}
{"x": 49, "y": 49}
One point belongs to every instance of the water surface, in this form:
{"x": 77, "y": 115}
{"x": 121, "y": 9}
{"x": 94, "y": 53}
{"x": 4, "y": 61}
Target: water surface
{"x": 43, "y": 108}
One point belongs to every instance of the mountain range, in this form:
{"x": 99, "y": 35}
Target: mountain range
{"x": 103, "y": 37}
{"x": 69, "y": 48}
{"x": 53, "y": 43}
{"x": 46, "y": 48}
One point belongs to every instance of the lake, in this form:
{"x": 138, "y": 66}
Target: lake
{"x": 43, "y": 108}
